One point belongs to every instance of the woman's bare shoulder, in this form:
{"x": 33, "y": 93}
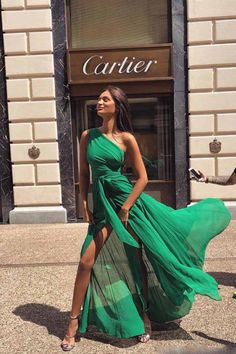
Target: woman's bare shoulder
{"x": 85, "y": 133}
{"x": 128, "y": 138}
{"x": 84, "y": 137}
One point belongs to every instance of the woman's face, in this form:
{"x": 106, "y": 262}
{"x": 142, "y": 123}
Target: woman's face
{"x": 106, "y": 105}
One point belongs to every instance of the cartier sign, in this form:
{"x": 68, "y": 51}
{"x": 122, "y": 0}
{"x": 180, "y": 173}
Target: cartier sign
{"x": 127, "y": 65}
{"x": 94, "y": 66}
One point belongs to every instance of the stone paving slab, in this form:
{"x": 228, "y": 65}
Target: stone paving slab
{"x": 27, "y": 244}
{"x": 35, "y": 299}
{"x": 35, "y": 303}
{"x": 52, "y": 243}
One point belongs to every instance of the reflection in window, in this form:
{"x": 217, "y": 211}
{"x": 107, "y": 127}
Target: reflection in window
{"x": 151, "y": 120}
{"x": 117, "y": 23}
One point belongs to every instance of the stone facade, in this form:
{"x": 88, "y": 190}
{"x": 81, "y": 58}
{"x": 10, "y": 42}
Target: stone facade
{"x": 39, "y": 113}
{"x": 212, "y": 93}
{"x": 28, "y": 46}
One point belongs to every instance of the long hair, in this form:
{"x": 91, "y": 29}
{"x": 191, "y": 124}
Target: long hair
{"x": 123, "y": 118}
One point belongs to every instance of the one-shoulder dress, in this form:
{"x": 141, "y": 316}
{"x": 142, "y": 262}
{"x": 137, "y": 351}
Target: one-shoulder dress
{"x": 173, "y": 244}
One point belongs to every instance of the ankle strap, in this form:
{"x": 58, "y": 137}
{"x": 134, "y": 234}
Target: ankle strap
{"x": 74, "y": 317}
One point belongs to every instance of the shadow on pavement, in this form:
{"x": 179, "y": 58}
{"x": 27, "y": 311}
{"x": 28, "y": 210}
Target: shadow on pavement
{"x": 223, "y": 278}
{"x": 44, "y": 315}
{"x": 200, "y": 350}
{"x": 56, "y": 323}
{"x": 129, "y": 342}
{"x": 217, "y": 340}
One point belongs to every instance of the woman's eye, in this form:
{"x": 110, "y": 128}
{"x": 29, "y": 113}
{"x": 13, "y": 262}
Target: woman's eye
{"x": 105, "y": 98}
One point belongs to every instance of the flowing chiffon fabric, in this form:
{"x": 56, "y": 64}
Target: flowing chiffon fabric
{"x": 173, "y": 243}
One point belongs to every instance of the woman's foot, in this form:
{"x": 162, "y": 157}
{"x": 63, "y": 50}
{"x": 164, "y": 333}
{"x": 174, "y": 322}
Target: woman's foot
{"x": 68, "y": 342}
{"x": 144, "y": 338}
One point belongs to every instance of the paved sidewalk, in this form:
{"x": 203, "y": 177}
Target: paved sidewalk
{"x": 37, "y": 270}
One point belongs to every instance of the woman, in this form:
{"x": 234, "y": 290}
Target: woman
{"x": 141, "y": 260}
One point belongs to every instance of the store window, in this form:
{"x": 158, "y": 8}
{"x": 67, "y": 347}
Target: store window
{"x": 118, "y": 23}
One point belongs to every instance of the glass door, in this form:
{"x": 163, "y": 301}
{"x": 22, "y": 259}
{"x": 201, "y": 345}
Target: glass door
{"x": 153, "y": 128}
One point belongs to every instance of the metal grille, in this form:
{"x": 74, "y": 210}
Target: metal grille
{"x": 117, "y": 23}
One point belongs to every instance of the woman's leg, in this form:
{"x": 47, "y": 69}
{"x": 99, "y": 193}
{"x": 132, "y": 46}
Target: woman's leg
{"x": 146, "y": 336}
{"x": 143, "y": 267}
{"x": 82, "y": 279}
{"x": 143, "y": 338}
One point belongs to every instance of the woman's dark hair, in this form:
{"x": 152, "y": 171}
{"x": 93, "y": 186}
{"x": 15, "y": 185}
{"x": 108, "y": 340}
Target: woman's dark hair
{"x": 123, "y": 119}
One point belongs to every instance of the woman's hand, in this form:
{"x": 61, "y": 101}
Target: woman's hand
{"x": 88, "y": 216}
{"x": 203, "y": 177}
{"x": 124, "y": 216}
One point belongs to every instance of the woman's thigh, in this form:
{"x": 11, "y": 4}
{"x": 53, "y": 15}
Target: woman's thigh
{"x": 88, "y": 258}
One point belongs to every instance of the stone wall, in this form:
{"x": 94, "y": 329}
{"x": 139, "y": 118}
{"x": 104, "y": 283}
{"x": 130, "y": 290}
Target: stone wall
{"x": 28, "y": 46}
{"x": 32, "y": 110}
{"x": 212, "y": 92}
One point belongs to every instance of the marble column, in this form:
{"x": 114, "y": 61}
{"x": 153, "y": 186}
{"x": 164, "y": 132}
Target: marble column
{"x": 63, "y": 108}
{"x": 180, "y": 70}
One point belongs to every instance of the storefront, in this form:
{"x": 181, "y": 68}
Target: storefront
{"x": 60, "y": 55}
{"x": 132, "y": 50}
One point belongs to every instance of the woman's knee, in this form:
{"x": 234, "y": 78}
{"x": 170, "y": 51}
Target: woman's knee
{"x": 87, "y": 260}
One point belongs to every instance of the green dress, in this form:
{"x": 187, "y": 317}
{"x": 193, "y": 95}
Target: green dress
{"x": 174, "y": 244}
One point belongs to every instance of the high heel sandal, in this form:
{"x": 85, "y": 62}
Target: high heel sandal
{"x": 66, "y": 347}
{"x": 144, "y": 338}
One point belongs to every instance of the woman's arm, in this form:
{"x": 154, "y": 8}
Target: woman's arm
{"x": 134, "y": 156}
{"x": 221, "y": 180}
{"x": 84, "y": 177}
